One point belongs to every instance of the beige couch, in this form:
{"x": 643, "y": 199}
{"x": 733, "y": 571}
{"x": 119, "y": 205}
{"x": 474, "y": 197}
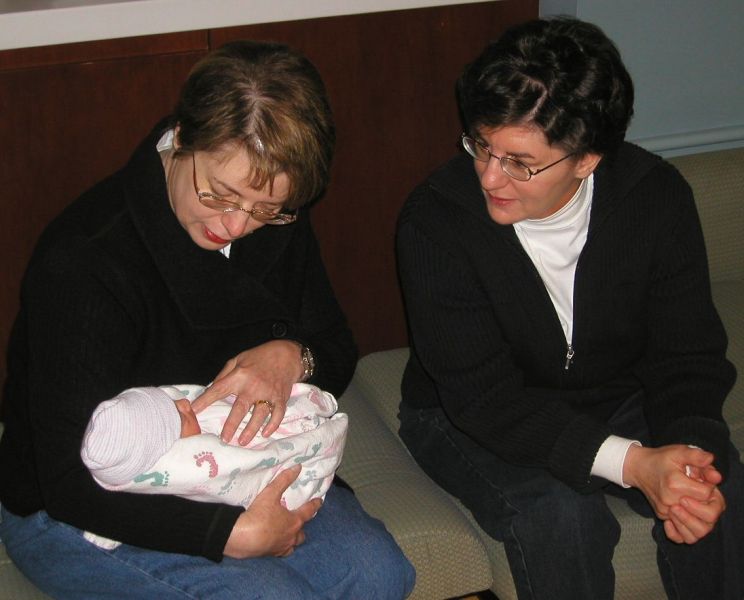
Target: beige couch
{"x": 453, "y": 557}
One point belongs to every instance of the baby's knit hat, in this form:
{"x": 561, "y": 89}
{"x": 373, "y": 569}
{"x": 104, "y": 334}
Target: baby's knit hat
{"x": 128, "y": 434}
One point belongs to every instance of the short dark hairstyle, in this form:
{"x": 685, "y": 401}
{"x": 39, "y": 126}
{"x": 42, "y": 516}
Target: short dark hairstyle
{"x": 268, "y": 100}
{"x": 563, "y": 75}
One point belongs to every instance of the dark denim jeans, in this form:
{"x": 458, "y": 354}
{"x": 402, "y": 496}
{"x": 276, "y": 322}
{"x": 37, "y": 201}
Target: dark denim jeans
{"x": 559, "y": 542}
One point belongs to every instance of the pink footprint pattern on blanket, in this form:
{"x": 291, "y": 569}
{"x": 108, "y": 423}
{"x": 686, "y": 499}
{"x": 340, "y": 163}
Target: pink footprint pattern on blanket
{"x": 208, "y": 457}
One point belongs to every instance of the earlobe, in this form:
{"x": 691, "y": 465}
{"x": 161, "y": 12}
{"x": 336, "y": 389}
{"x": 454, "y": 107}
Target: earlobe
{"x": 177, "y": 138}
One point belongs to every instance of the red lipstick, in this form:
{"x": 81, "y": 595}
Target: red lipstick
{"x": 213, "y": 237}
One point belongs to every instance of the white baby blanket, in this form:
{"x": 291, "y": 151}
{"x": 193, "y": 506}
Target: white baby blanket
{"x": 204, "y": 468}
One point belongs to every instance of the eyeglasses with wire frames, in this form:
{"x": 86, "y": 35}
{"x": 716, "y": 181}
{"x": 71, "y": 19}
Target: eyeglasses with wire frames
{"x": 514, "y": 168}
{"x": 262, "y": 211}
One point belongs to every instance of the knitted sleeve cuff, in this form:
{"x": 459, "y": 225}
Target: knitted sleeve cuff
{"x": 219, "y": 531}
{"x": 574, "y": 451}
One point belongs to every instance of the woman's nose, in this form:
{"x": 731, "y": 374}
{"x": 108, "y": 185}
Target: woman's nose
{"x": 493, "y": 176}
{"x": 236, "y": 222}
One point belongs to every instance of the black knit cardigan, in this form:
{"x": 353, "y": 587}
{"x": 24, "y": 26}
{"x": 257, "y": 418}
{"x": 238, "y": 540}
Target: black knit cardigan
{"x": 487, "y": 345}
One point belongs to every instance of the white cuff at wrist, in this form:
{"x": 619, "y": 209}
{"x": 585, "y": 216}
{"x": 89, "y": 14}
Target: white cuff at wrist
{"x": 611, "y": 457}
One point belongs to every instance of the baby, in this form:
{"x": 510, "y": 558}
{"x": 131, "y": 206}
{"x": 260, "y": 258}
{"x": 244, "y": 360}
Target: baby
{"x": 148, "y": 440}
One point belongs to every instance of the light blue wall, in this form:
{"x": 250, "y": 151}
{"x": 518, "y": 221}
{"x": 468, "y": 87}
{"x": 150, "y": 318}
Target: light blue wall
{"x": 686, "y": 58}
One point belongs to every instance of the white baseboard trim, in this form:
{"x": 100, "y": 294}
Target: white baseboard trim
{"x": 694, "y": 141}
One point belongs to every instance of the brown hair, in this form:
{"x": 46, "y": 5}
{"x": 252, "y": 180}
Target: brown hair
{"x": 270, "y": 101}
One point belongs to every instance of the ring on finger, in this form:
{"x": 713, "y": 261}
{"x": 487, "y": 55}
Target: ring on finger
{"x": 268, "y": 403}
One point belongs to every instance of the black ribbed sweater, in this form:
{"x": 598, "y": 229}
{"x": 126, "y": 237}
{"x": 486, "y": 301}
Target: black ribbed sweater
{"x": 487, "y": 345}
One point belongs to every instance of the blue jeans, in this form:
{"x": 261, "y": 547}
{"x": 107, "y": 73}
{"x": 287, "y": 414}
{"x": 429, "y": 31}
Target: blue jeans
{"x": 559, "y": 542}
{"x": 347, "y": 555}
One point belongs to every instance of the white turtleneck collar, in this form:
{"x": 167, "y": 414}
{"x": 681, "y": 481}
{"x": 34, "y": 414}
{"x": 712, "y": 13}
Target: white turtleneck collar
{"x": 554, "y": 245}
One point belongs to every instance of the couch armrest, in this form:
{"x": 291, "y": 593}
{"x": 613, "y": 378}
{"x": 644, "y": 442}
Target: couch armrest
{"x": 437, "y": 538}
{"x": 378, "y": 376}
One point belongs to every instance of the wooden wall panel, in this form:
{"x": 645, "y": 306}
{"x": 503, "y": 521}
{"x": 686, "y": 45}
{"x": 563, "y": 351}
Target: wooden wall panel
{"x": 146, "y": 45}
{"x": 390, "y": 77}
{"x": 72, "y": 114}
{"x": 64, "y": 127}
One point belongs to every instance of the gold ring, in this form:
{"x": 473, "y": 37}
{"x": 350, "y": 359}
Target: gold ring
{"x": 268, "y": 403}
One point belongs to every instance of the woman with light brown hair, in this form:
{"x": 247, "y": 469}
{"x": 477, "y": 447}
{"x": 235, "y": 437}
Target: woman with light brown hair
{"x": 195, "y": 262}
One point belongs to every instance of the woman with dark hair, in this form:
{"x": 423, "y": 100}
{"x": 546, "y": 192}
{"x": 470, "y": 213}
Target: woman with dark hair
{"x": 195, "y": 262}
{"x": 564, "y": 344}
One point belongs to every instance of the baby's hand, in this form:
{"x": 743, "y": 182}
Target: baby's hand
{"x": 189, "y": 423}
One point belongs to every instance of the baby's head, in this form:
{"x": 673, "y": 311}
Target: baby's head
{"x": 129, "y": 433}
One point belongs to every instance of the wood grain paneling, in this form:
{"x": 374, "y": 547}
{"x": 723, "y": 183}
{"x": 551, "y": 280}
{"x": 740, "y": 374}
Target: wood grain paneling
{"x": 63, "y": 128}
{"x": 72, "y": 114}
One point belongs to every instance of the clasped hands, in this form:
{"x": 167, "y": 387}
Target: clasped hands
{"x": 681, "y": 484}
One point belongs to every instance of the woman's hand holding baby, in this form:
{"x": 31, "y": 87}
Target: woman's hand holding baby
{"x": 267, "y": 528}
{"x": 261, "y": 380}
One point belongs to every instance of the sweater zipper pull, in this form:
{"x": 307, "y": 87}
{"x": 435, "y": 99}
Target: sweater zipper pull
{"x": 569, "y": 357}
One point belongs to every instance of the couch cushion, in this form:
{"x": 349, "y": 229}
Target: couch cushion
{"x": 437, "y": 538}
